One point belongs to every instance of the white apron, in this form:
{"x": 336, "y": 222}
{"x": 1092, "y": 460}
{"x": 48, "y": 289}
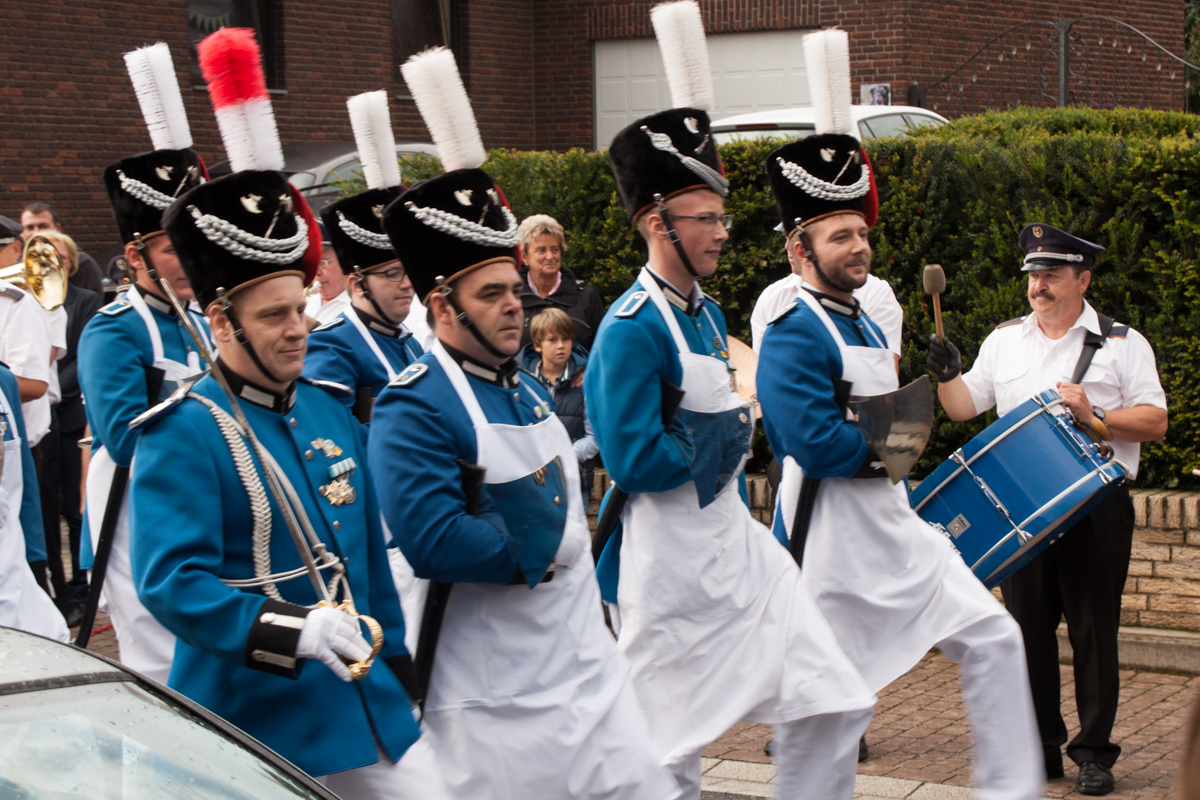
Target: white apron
{"x": 714, "y": 618}
{"x": 529, "y": 695}
{"x": 23, "y": 604}
{"x": 889, "y": 584}
{"x": 145, "y": 645}
{"x": 371, "y": 343}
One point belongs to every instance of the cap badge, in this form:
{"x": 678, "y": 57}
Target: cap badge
{"x": 463, "y": 196}
{"x": 691, "y": 124}
{"x": 827, "y": 153}
{"x": 378, "y": 210}
{"x": 1039, "y": 249}
{"x": 164, "y": 172}
{"x": 285, "y": 203}
{"x": 492, "y": 193}
{"x": 250, "y": 203}
{"x": 1038, "y": 232}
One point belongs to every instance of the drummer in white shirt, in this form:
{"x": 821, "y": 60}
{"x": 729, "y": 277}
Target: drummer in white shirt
{"x": 1083, "y": 576}
{"x": 330, "y": 296}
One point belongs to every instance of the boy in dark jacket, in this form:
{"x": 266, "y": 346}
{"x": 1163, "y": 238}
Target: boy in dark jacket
{"x": 555, "y": 359}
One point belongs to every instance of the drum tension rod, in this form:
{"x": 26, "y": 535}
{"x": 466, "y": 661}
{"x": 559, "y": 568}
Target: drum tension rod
{"x": 958, "y": 458}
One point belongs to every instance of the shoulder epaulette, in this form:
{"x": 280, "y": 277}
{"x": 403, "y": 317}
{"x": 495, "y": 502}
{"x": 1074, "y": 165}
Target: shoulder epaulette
{"x": 1118, "y": 331}
{"x": 1007, "y": 322}
{"x": 412, "y": 373}
{"x": 116, "y": 307}
{"x": 12, "y": 292}
{"x": 155, "y": 413}
{"x": 789, "y": 308}
{"x": 632, "y": 304}
{"x": 333, "y": 323}
{"x": 711, "y": 299}
{"x": 338, "y": 390}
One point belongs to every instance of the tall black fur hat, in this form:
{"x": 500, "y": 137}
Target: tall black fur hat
{"x": 665, "y": 155}
{"x": 240, "y": 229}
{"x": 354, "y": 227}
{"x": 449, "y": 225}
{"x": 819, "y": 176}
{"x": 141, "y": 187}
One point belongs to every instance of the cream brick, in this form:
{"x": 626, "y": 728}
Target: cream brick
{"x": 1191, "y": 512}
{"x": 1141, "y": 568}
{"x": 1131, "y": 585}
{"x": 1175, "y": 586}
{"x": 1176, "y": 569}
{"x": 1140, "y": 505}
{"x": 1136, "y": 602}
{"x": 1185, "y": 553}
{"x": 1155, "y": 619}
{"x": 1159, "y": 536}
{"x": 1131, "y": 617}
{"x": 1151, "y": 552}
{"x": 1184, "y": 605}
{"x": 1173, "y": 507}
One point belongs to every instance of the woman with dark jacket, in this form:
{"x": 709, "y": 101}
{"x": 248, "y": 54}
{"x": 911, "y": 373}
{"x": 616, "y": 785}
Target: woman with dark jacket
{"x": 548, "y": 284}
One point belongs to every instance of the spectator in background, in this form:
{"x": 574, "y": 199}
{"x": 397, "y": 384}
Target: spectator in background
{"x": 39, "y": 217}
{"x": 555, "y": 359}
{"x": 10, "y": 241}
{"x": 548, "y": 284}
{"x": 62, "y": 470}
{"x": 329, "y": 297}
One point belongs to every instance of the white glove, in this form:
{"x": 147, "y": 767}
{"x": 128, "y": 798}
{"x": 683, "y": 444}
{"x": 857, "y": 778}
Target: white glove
{"x": 329, "y": 633}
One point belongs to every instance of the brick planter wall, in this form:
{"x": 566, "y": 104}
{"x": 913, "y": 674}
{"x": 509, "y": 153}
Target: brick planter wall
{"x": 1163, "y": 589}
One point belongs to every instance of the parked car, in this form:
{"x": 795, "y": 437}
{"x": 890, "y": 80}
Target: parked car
{"x": 74, "y": 724}
{"x": 872, "y": 122}
{"x": 316, "y": 168}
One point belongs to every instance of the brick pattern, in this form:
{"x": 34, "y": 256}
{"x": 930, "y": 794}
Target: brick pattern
{"x": 1163, "y": 588}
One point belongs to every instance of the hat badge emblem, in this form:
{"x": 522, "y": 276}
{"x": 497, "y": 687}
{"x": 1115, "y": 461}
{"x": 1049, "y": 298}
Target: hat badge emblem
{"x": 378, "y": 211}
{"x": 691, "y": 124}
{"x": 1038, "y": 232}
{"x": 827, "y": 153}
{"x": 463, "y": 196}
{"x": 164, "y": 172}
{"x": 250, "y": 203}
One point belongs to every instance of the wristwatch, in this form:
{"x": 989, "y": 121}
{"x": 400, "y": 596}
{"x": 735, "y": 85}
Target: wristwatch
{"x": 1099, "y": 412}
{"x": 1099, "y": 426}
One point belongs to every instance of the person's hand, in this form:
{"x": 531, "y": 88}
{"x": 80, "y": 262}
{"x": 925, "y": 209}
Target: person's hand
{"x": 1076, "y": 399}
{"x": 329, "y": 633}
{"x": 577, "y": 381}
{"x": 944, "y": 360}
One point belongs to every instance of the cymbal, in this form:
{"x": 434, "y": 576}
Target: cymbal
{"x": 745, "y": 361}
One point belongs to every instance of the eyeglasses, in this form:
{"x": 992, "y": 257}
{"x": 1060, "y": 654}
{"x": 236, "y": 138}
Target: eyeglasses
{"x": 709, "y": 221}
{"x": 395, "y": 274}
{"x": 325, "y": 262}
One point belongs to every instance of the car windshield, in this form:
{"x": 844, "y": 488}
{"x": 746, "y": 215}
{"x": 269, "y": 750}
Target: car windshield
{"x": 114, "y": 741}
{"x": 765, "y": 131}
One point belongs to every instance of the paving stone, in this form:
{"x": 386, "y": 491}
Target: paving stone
{"x": 742, "y": 771}
{"x": 875, "y": 786}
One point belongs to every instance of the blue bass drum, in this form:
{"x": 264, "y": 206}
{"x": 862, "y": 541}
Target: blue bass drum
{"x": 1007, "y": 494}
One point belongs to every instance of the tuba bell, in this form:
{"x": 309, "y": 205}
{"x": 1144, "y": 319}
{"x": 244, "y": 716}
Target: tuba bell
{"x": 40, "y": 272}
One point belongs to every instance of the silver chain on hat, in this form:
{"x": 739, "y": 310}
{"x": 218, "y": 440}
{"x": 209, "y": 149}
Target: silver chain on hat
{"x": 144, "y": 192}
{"x": 247, "y": 245}
{"x": 466, "y": 230}
{"x": 379, "y": 241}
{"x": 824, "y": 190}
{"x": 710, "y": 176}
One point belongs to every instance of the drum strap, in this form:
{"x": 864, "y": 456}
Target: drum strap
{"x": 1091, "y": 343}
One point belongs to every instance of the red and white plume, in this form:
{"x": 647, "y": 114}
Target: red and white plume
{"x": 679, "y": 28}
{"x": 232, "y": 66}
{"x": 372, "y": 124}
{"x": 157, "y": 90}
{"x": 436, "y": 86}
{"x": 827, "y": 58}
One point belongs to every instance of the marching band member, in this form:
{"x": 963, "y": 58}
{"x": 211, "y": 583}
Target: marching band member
{"x": 1118, "y": 396}
{"x": 24, "y": 605}
{"x": 250, "y": 604}
{"x": 890, "y": 586}
{"x": 713, "y": 616}
{"x": 135, "y": 351}
{"x": 367, "y": 345}
{"x": 527, "y": 694}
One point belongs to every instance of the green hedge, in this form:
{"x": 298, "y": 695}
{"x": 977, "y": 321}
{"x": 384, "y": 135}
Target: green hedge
{"x": 957, "y": 196}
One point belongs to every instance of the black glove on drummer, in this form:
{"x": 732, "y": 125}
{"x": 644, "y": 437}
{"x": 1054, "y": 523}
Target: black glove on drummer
{"x": 944, "y": 360}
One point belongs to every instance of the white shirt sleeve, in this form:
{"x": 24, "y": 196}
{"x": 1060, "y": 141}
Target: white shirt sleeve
{"x": 981, "y": 380}
{"x": 774, "y": 299}
{"x": 25, "y": 340}
{"x": 1140, "y": 385}
{"x": 879, "y": 302}
{"x": 57, "y": 321}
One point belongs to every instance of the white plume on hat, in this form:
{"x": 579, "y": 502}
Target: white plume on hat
{"x": 680, "y": 31}
{"x": 157, "y": 89}
{"x": 434, "y": 81}
{"x": 372, "y": 124}
{"x": 827, "y": 57}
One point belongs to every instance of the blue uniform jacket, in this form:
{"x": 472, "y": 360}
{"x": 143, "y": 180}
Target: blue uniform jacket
{"x": 419, "y": 431}
{"x": 114, "y": 351}
{"x": 337, "y": 352}
{"x": 31, "y": 502}
{"x": 797, "y": 365}
{"x": 631, "y": 358}
{"x": 191, "y": 525}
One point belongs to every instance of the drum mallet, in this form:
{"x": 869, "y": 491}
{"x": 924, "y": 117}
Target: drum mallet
{"x": 935, "y": 283}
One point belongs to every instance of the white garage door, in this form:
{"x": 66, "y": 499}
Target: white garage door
{"x": 751, "y": 72}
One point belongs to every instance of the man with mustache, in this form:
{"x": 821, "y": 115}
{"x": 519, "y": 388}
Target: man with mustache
{"x": 1119, "y": 397}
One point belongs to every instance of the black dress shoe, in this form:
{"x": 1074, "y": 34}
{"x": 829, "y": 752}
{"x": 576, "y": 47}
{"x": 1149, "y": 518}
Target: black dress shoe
{"x": 1094, "y": 779}
{"x": 862, "y": 749}
{"x": 75, "y": 614}
{"x": 769, "y": 747}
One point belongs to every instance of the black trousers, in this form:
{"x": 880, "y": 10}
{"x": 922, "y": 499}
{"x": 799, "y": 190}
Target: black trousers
{"x": 45, "y": 459}
{"x": 1081, "y": 576}
{"x": 70, "y": 473}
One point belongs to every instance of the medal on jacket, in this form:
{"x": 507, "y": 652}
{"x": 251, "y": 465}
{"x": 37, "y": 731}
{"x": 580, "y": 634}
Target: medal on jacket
{"x": 339, "y": 491}
{"x": 327, "y": 447}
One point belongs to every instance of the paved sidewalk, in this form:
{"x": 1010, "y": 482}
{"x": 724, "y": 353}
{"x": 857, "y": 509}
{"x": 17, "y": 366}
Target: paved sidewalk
{"x": 920, "y": 740}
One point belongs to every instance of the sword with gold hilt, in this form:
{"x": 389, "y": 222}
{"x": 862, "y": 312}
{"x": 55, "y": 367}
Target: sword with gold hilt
{"x": 304, "y": 537}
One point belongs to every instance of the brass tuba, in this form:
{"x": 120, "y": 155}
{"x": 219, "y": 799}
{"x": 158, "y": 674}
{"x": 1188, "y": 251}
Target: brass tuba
{"x": 40, "y": 272}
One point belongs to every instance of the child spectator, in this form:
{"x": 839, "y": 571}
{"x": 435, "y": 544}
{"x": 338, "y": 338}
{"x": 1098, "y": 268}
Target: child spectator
{"x": 555, "y": 359}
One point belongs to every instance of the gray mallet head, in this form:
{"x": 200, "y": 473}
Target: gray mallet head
{"x": 934, "y": 279}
